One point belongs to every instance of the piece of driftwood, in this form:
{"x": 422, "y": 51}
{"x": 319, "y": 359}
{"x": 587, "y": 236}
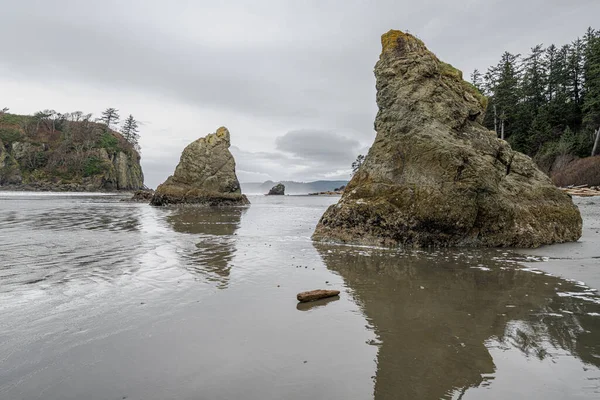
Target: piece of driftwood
{"x": 313, "y": 295}
{"x": 582, "y": 191}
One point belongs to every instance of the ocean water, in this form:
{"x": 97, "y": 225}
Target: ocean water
{"x": 104, "y": 299}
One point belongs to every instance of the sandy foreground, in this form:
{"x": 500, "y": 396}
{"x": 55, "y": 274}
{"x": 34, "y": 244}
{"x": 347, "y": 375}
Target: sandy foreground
{"x": 580, "y": 260}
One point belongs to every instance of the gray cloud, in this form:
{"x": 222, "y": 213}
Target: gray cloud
{"x": 261, "y": 67}
{"x": 306, "y": 154}
{"x": 316, "y": 145}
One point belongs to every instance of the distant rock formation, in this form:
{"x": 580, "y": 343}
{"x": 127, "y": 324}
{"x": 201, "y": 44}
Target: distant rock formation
{"x": 291, "y": 187}
{"x": 435, "y": 176}
{"x": 277, "y": 190}
{"x": 205, "y": 175}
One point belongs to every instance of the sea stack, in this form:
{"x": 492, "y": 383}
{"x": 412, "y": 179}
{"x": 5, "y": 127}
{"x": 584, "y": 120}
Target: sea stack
{"x": 277, "y": 190}
{"x": 205, "y": 175}
{"x": 435, "y": 176}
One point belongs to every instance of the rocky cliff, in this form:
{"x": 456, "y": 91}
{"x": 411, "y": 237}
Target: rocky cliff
{"x": 65, "y": 155}
{"x": 435, "y": 176}
{"x": 205, "y": 175}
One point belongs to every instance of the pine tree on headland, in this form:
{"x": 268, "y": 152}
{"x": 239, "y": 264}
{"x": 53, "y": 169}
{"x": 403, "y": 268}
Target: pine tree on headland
{"x": 109, "y": 117}
{"x": 130, "y": 131}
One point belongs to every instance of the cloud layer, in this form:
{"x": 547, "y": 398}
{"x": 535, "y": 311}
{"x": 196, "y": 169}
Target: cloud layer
{"x": 292, "y": 80}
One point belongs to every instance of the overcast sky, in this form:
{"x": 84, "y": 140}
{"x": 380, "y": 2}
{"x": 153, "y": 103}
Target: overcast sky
{"x": 292, "y": 80}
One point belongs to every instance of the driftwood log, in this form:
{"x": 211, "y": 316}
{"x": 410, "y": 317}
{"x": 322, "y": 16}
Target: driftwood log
{"x": 582, "y": 191}
{"x": 313, "y": 295}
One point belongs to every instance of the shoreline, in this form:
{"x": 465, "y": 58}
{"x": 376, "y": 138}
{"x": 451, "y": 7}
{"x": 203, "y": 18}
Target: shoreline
{"x": 58, "y": 189}
{"x": 576, "y": 261}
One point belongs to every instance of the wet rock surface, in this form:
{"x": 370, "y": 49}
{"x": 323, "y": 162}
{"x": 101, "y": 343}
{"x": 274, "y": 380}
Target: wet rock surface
{"x": 435, "y": 176}
{"x": 205, "y": 175}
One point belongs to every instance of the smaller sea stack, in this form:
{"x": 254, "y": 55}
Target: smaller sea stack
{"x": 277, "y": 190}
{"x": 205, "y": 175}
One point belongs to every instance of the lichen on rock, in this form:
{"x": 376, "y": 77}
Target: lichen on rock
{"x": 205, "y": 175}
{"x": 435, "y": 176}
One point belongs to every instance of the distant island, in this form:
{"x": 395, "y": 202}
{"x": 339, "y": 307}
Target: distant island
{"x": 53, "y": 151}
{"x": 292, "y": 187}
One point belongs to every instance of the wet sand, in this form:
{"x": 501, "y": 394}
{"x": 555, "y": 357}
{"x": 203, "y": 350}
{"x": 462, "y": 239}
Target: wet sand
{"x": 579, "y": 261}
{"x": 102, "y": 299}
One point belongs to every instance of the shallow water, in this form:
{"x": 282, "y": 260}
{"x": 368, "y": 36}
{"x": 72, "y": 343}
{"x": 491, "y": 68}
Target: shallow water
{"x": 102, "y": 299}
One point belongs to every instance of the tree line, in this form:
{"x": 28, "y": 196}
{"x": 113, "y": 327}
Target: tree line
{"x": 55, "y": 121}
{"x": 546, "y": 103}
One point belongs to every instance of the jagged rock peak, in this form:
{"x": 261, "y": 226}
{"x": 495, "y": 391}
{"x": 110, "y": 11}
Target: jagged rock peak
{"x": 446, "y": 96}
{"x": 205, "y": 175}
{"x": 434, "y": 175}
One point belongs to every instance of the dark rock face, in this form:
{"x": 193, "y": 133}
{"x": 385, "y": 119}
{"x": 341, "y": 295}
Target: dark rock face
{"x": 123, "y": 172}
{"x": 118, "y": 169}
{"x": 435, "y": 176}
{"x": 205, "y": 175}
{"x": 277, "y": 190}
{"x": 10, "y": 173}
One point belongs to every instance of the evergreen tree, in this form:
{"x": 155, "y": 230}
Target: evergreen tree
{"x": 548, "y": 102}
{"x": 109, "y": 117}
{"x": 575, "y": 70}
{"x": 534, "y": 79}
{"x": 477, "y": 80}
{"x": 507, "y": 92}
{"x": 591, "y": 102}
{"x": 130, "y": 131}
{"x": 532, "y": 99}
{"x": 360, "y": 159}
{"x": 490, "y": 81}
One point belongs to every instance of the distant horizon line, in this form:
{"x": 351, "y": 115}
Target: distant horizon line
{"x": 287, "y": 180}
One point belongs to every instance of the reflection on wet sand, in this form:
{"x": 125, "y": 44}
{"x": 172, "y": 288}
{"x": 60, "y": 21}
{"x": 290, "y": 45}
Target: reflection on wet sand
{"x": 88, "y": 241}
{"x": 311, "y": 305}
{"x": 436, "y": 315}
{"x": 213, "y": 246}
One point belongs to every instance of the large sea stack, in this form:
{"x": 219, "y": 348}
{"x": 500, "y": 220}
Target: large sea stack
{"x": 435, "y": 176}
{"x": 205, "y": 175}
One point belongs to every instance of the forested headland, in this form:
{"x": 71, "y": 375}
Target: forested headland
{"x": 546, "y": 104}
{"x": 69, "y": 151}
